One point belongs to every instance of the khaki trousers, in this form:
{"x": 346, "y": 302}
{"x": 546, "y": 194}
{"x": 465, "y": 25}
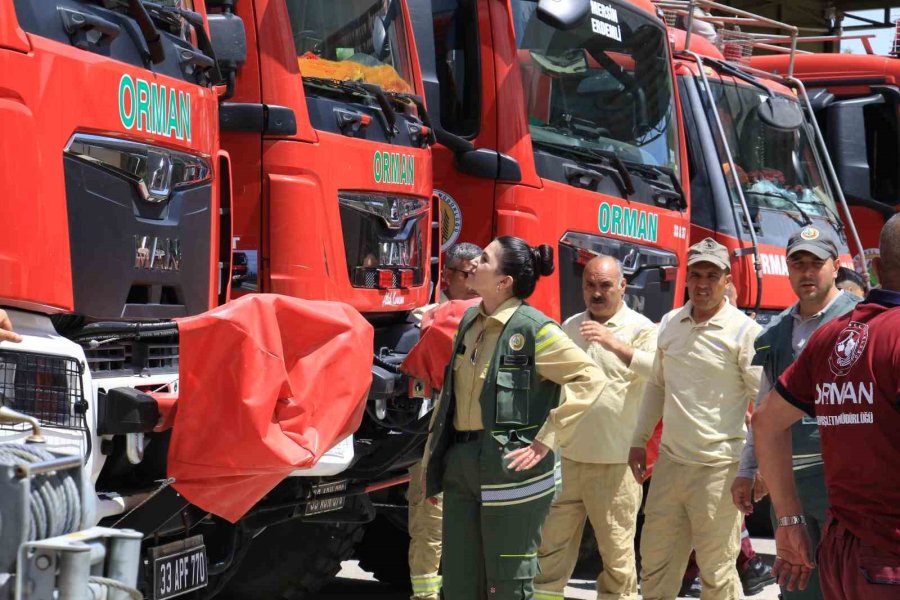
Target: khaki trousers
{"x": 690, "y": 506}
{"x": 609, "y": 496}
{"x": 425, "y": 521}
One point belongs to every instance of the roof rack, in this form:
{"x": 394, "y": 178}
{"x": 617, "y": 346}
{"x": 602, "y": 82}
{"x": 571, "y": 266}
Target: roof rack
{"x": 771, "y": 43}
{"x": 737, "y": 47}
{"x": 736, "y": 44}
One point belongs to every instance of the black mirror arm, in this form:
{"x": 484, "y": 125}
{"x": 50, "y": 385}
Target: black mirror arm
{"x": 454, "y": 142}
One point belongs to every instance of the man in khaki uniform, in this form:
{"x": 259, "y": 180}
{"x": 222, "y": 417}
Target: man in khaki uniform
{"x": 597, "y": 483}
{"x": 425, "y": 515}
{"x": 701, "y": 385}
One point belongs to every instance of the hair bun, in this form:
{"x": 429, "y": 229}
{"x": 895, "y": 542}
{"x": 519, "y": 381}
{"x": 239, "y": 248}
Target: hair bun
{"x": 543, "y": 259}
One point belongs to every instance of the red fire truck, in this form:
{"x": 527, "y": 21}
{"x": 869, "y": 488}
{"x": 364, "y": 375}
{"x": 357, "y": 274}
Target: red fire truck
{"x": 330, "y": 143}
{"x": 112, "y": 208}
{"x": 561, "y": 127}
{"x": 758, "y": 167}
{"x": 857, "y": 102}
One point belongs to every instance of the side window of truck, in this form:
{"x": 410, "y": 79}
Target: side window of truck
{"x": 456, "y": 49}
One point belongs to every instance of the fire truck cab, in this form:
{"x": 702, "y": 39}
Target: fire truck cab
{"x": 854, "y": 93}
{"x": 560, "y": 126}
{"x": 758, "y": 168}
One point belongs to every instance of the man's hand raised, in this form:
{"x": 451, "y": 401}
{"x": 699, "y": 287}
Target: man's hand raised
{"x": 6, "y": 330}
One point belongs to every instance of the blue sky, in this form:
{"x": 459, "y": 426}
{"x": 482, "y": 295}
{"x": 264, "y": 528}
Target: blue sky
{"x": 884, "y": 38}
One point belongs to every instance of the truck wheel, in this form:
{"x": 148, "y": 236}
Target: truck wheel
{"x": 292, "y": 561}
{"x": 384, "y": 552}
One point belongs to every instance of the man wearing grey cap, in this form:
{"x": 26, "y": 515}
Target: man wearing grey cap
{"x": 812, "y": 270}
{"x": 701, "y": 384}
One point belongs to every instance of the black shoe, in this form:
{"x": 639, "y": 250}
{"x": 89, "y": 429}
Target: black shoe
{"x": 756, "y": 576}
{"x": 690, "y": 589}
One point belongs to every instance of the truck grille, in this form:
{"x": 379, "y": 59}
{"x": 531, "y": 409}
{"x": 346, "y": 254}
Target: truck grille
{"x": 43, "y": 386}
{"x": 132, "y": 358}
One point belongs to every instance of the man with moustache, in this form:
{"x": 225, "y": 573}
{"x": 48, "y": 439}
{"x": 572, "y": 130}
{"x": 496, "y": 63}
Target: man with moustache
{"x": 701, "y": 384}
{"x": 812, "y": 270}
{"x": 597, "y": 483}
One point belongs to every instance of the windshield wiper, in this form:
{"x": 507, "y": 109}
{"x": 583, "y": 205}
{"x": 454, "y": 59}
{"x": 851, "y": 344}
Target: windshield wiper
{"x": 366, "y": 90}
{"x": 675, "y": 193}
{"x": 616, "y": 168}
{"x": 171, "y": 16}
{"x": 148, "y": 30}
{"x": 834, "y": 220}
{"x": 807, "y": 220}
{"x": 422, "y": 112}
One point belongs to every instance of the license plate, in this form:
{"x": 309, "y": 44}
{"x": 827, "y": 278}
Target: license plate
{"x": 179, "y": 568}
{"x": 317, "y": 506}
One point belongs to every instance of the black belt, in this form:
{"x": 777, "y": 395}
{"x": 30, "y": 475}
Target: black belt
{"x": 461, "y": 437}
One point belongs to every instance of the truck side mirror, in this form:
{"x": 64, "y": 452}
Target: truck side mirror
{"x": 229, "y": 42}
{"x": 562, "y": 14}
{"x": 379, "y": 39}
{"x": 780, "y": 113}
{"x": 847, "y": 144}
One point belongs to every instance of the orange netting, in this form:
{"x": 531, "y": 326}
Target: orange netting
{"x": 384, "y": 76}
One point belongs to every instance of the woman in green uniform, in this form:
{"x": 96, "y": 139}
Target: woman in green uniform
{"x": 500, "y": 415}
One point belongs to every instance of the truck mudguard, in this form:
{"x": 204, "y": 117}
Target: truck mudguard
{"x": 268, "y": 384}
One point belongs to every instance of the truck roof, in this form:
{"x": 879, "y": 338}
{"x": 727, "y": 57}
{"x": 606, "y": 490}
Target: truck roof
{"x": 848, "y": 68}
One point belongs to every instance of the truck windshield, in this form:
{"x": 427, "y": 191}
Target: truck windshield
{"x": 605, "y": 84}
{"x": 777, "y": 169}
{"x": 352, "y": 40}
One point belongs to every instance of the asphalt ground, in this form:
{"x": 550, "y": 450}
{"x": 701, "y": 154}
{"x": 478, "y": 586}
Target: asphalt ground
{"x": 353, "y": 583}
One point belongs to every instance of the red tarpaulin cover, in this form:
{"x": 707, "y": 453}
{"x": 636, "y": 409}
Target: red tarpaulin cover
{"x": 431, "y": 354}
{"x": 268, "y": 384}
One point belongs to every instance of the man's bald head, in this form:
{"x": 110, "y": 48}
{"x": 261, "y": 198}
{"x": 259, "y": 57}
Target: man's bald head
{"x": 604, "y": 263}
{"x": 603, "y": 286}
{"x": 889, "y": 254}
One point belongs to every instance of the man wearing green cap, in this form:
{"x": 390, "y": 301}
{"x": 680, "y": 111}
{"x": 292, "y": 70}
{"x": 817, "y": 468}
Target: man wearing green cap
{"x": 701, "y": 384}
{"x": 812, "y": 270}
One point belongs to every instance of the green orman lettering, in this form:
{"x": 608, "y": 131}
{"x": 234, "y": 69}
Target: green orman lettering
{"x": 143, "y": 105}
{"x": 184, "y": 123}
{"x": 172, "y": 121}
{"x": 158, "y": 102}
{"x": 126, "y": 84}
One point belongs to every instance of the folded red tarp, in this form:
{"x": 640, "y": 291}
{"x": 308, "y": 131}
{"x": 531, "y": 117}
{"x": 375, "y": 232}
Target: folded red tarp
{"x": 268, "y": 384}
{"x": 431, "y": 354}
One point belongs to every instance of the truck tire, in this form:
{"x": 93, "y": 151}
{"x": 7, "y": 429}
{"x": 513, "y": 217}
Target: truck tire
{"x": 384, "y": 552}
{"x": 292, "y": 561}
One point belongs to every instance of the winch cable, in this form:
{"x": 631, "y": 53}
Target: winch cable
{"x": 55, "y": 498}
{"x": 114, "y": 585}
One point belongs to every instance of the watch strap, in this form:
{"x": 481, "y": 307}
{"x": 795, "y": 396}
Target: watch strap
{"x": 791, "y": 520}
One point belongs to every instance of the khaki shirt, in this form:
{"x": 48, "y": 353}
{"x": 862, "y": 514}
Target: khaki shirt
{"x": 557, "y": 359}
{"x": 701, "y": 385}
{"x": 603, "y": 434}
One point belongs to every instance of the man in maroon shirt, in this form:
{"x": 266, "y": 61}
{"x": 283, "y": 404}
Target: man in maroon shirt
{"x": 848, "y": 378}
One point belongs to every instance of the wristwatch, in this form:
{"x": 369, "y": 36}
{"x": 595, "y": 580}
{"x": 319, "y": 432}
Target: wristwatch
{"x": 791, "y": 520}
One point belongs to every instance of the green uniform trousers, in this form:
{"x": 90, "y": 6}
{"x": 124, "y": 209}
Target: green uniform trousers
{"x": 811, "y": 490}
{"x": 490, "y": 552}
